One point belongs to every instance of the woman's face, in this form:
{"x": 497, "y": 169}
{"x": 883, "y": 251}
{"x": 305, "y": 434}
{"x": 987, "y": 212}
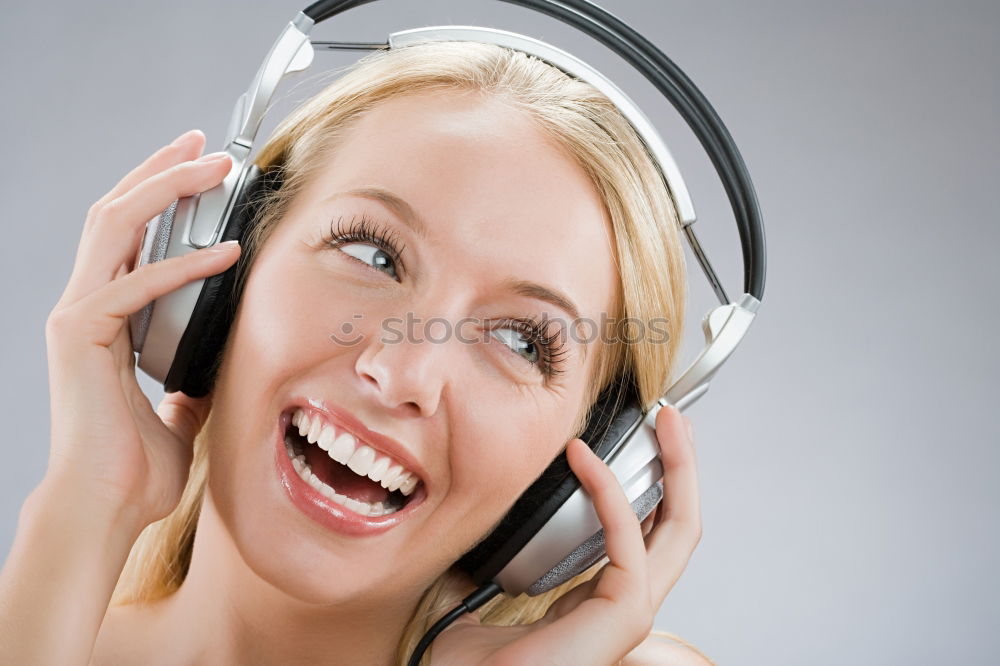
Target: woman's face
{"x": 494, "y": 215}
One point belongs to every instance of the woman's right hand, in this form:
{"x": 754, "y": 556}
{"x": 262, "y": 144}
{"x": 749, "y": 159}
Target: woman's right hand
{"x": 108, "y": 445}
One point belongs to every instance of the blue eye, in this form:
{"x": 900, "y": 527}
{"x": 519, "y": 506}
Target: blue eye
{"x": 527, "y": 339}
{"x": 373, "y": 256}
{"x": 515, "y": 340}
{"x": 370, "y": 243}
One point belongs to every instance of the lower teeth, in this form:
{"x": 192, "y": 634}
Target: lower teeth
{"x": 305, "y": 473}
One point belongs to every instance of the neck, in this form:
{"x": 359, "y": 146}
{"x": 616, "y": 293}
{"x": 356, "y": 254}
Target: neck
{"x": 224, "y": 613}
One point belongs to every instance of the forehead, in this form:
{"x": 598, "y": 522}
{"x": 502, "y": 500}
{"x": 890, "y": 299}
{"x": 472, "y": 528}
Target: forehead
{"x": 495, "y": 193}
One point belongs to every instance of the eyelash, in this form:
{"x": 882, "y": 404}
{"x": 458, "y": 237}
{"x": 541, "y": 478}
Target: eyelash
{"x": 365, "y": 230}
{"x": 551, "y": 355}
{"x": 368, "y": 230}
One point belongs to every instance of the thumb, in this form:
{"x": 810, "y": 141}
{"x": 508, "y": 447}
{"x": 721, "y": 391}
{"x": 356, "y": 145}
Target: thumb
{"x": 184, "y": 415}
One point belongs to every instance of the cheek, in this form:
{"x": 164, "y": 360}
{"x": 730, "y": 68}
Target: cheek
{"x": 286, "y": 320}
{"x": 504, "y": 456}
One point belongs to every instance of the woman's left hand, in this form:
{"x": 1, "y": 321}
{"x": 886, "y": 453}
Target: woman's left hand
{"x": 602, "y": 620}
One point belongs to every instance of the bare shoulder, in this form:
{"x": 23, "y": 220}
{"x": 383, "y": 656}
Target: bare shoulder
{"x": 656, "y": 651}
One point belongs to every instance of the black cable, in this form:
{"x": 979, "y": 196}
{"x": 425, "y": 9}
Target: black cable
{"x": 471, "y": 603}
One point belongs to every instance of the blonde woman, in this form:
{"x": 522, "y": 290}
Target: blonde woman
{"x": 171, "y": 537}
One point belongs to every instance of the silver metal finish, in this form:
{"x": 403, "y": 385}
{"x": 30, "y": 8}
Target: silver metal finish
{"x": 593, "y": 549}
{"x": 172, "y": 310}
{"x": 213, "y": 205}
{"x": 152, "y": 248}
{"x": 724, "y": 327}
{"x": 303, "y": 23}
{"x": 351, "y": 46}
{"x": 291, "y": 52}
{"x": 575, "y": 67}
{"x": 706, "y": 266}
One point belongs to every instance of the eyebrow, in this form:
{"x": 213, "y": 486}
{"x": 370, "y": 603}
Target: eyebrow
{"x": 399, "y": 206}
{"x": 542, "y": 293}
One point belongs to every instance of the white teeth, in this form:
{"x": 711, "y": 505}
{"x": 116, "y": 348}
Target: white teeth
{"x": 364, "y": 508}
{"x": 390, "y": 475}
{"x": 342, "y": 448}
{"x": 399, "y": 481}
{"x": 345, "y": 449}
{"x": 314, "y": 429}
{"x": 407, "y": 486}
{"x": 362, "y": 460}
{"x": 379, "y": 468}
{"x": 326, "y": 439}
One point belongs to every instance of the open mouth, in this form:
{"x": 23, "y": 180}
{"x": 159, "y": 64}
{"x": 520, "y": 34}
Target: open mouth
{"x": 345, "y": 470}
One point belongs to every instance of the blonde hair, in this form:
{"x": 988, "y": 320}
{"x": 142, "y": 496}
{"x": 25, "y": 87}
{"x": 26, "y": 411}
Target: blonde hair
{"x": 650, "y": 261}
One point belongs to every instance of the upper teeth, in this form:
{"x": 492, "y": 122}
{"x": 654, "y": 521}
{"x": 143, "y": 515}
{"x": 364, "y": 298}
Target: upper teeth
{"x": 363, "y": 460}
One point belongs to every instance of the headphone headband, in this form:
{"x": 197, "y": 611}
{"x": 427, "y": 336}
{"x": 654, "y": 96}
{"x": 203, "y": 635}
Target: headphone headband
{"x": 671, "y": 82}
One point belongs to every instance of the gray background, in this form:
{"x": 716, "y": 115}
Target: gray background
{"x": 847, "y": 453}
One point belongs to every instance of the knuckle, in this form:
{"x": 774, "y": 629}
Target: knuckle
{"x": 60, "y": 321}
{"x": 692, "y": 528}
{"x": 109, "y": 211}
{"x": 95, "y": 209}
{"x": 55, "y": 321}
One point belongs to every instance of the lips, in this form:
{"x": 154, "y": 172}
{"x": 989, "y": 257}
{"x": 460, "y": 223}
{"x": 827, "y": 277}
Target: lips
{"x": 324, "y": 510}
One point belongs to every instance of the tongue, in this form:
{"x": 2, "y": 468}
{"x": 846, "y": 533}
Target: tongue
{"x": 341, "y": 478}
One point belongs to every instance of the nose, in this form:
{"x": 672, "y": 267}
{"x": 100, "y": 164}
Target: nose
{"x": 404, "y": 374}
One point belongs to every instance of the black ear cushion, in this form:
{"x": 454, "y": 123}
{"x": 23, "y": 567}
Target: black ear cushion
{"x": 198, "y": 353}
{"x": 612, "y": 417}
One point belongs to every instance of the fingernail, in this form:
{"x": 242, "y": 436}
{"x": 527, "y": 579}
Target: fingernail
{"x": 213, "y": 157}
{"x": 225, "y": 245}
{"x": 690, "y": 429}
{"x": 183, "y": 138}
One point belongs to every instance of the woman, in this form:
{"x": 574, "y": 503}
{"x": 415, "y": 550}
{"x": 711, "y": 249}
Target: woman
{"x": 504, "y": 172}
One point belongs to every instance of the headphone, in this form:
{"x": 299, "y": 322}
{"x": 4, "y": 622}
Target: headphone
{"x": 552, "y": 532}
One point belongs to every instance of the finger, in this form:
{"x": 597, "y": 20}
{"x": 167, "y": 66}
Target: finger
{"x": 115, "y": 237}
{"x": 671, "y": 543}
{"x": 98, "y": 317}
{"x": 187, "y": 146}
{"x": 624, "y": 546}
{"x": 183, "y": 414}
{"x": 648, "y": 522}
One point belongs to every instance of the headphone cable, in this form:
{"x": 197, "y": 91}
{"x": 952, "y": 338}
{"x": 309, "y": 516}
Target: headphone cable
{"x": 471, "y": 603}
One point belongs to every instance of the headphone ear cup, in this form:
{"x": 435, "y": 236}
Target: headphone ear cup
{"x": 593, "y": 549}
{"x": 153, "y": 248}
{"x": 613, "y": 416}
{"x": 198, "y": 354}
